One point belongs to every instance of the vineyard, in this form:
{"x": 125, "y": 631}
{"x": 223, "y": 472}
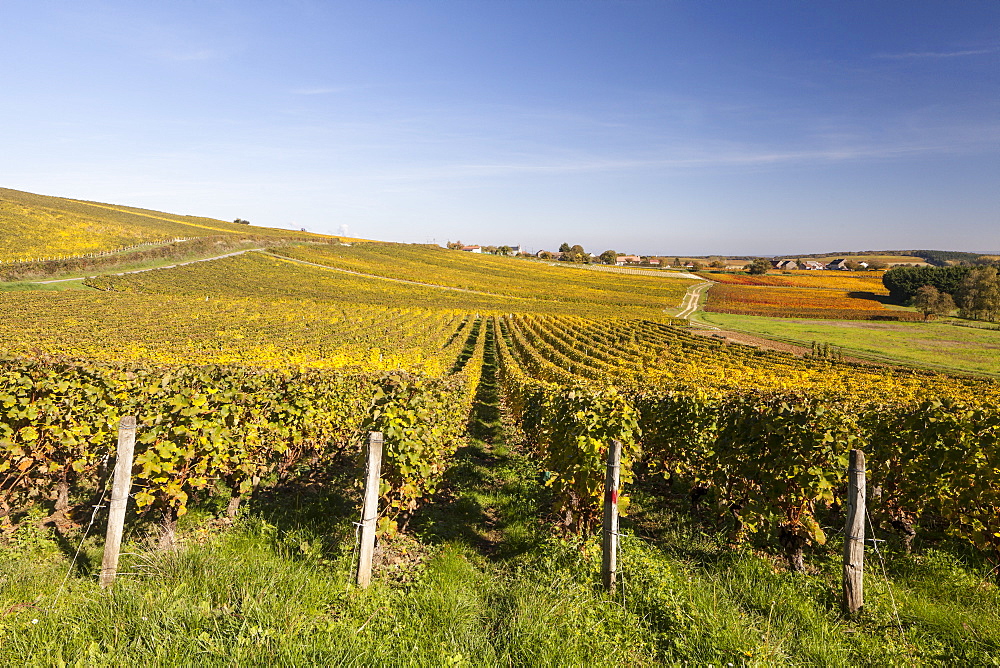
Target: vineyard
{"x": 255, "y": 377}
{"x": 853, "y": 281}
{"x": 805, "y": 294}
{"x": 34, "y": 227}
{"x": 499, "y": 275}
{"x": 801, "y": 303}
{"x": 131, "y": 328}
{"x": 710, "y": 413}
{"x": 263, "y": 277}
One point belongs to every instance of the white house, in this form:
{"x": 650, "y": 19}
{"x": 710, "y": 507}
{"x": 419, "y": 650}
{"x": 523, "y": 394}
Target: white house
{"x": 784, "y": 264}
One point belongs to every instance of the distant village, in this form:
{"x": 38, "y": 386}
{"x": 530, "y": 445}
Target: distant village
{"x": 577, "y": 254}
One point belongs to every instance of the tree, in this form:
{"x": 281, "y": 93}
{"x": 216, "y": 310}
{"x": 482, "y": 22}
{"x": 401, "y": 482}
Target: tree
{"x": 573, "y": 253}
{"x": 930, "y": 301}
{"x": 609, "y": 257}
{"x": 544, "y": 255}
{"x": 853, "y": 265}
{"x": 455, "y": 245}
{"x": 677, "y": 262}
{"x": 717, "y": 264}
{"x": 945, "y": 304}
{"x": 504, "y": 250}
{"x": 979, "y": 294}
{"x": 903, "y": 281}
{"x": 240, "y": 221}
{"x": 696, "y": 266}
{"x": 758, "y": 266}
{"x": 875, "y": 265}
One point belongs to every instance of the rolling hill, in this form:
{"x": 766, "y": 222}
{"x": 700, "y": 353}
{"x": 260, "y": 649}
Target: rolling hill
{"x": 39, "y": 226}
{"x": 253, "y": 375}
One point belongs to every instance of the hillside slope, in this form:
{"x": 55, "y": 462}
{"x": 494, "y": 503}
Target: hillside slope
{"x": 37, "y": 226}
{"x": 512, "y": 277}
{"x": 273, "y": 278}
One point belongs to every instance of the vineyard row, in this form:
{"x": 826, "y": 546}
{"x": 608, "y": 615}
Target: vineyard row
{"x": 725, "y": 420}
{"x": 772, "y": 457}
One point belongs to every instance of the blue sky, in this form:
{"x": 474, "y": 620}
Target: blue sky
{"x": 652, "y": 127}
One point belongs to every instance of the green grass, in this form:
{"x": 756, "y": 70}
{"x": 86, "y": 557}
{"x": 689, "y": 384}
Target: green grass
{"x": 740, "y": 605}
{"x": 22, "y": 286}
{"x": 276, "y": 591}
{"x": 494, "y": 587}
{"x": 936, "y": 344}
{"x": 481, "y": 579}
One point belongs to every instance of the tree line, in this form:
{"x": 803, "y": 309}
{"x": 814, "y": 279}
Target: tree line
{"x": 975, "y": 291}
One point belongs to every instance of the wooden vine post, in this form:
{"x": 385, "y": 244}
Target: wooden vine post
{"x": 854, "y": 535}
{"x": 369, "y": 509}
{"x": 609, "y": 542}
{"x": 119, "y": 499}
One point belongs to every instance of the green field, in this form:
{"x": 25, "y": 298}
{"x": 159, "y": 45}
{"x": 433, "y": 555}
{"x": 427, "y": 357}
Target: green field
{"x": 481, "y": 580}
{"x": 940, "y": 344}
{"x": 28, "y": 286}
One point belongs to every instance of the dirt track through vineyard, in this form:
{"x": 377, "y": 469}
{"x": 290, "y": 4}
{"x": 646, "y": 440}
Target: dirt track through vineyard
{"x": 139, "y": 271}
{"x": 690, "y": 303}
{"x": 387, "y": 278}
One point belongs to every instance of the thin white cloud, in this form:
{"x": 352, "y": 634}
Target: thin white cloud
{"x": 318, "y": 91}
{"x": 912, "y": 55}
{"x": 188, "y": 55}
{"x": 732, "y": 157}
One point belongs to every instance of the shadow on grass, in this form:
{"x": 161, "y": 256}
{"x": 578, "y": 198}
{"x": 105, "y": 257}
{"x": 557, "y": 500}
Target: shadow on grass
{"x": 491, "y": 497}
{"x": 316, "y": 507}
{"x": 491, "y": 500}
{"x": 684, "y": 524}
{"x": 313, "y": 501}
{"x": 469, "y": 348}
{"x": 484, "y": 421}
{"x": 82, "y": 564}
{"x": 885, "y": 300}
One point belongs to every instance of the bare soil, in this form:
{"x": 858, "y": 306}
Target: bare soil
{"x": 768, "y": 344}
